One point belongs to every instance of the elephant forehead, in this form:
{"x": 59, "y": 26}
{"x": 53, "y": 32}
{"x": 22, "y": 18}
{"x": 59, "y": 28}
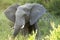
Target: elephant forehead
{"x": 24, "y": 10}
{"x": 20, "y": 12}
{"x": 27, "y": 6}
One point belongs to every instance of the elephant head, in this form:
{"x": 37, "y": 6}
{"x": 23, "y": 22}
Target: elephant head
{"x": 23, "y": 14}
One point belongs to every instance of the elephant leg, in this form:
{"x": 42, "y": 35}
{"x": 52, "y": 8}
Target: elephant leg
{"x": 31, "y": 28}
{"x": 38, "y": 32}
{"x": 35, "y": 28}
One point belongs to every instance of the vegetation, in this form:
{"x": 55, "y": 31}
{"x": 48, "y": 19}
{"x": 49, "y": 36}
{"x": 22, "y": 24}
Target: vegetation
{"x": 49, "y": 24}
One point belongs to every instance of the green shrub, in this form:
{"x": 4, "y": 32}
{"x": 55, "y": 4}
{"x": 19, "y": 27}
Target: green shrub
{"x": 54, "y": 34}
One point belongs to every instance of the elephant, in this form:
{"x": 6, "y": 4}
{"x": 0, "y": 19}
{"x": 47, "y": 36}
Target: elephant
{"x": 25, "y": 16}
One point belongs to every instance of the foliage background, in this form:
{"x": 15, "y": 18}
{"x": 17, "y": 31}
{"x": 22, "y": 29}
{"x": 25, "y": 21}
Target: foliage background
{"x": 48, "y": 24}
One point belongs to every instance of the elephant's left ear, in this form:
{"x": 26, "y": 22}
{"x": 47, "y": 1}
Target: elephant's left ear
{"x": 36, "y": 12}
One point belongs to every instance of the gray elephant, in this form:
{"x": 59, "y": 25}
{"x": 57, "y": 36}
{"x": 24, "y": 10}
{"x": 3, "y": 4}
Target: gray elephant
{"x": 25, "y": 16}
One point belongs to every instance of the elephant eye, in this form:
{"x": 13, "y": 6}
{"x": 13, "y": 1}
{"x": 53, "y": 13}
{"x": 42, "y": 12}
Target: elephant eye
{"x": 26, "y": 18}
{"x": 24, "y": 15}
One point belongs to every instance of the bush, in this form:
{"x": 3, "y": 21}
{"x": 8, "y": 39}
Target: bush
{"x": 54, "y": 34}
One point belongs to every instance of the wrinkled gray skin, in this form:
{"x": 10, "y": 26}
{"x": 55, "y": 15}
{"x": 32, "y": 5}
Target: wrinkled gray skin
{"x": 24, "y": 15}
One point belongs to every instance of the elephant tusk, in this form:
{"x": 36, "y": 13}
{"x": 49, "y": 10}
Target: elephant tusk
{"x": 22, "y": 27}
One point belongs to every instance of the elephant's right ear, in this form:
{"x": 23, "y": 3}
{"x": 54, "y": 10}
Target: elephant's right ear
{"x": 10, "y": 12}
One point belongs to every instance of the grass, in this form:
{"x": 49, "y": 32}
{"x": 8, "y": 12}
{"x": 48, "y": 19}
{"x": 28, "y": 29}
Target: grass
{"x": 4, "y": 27}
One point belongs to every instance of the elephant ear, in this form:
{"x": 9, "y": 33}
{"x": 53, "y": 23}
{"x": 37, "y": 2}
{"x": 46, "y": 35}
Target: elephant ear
{"x": 10, "y": 12}
{"x": 36, "y": 12}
